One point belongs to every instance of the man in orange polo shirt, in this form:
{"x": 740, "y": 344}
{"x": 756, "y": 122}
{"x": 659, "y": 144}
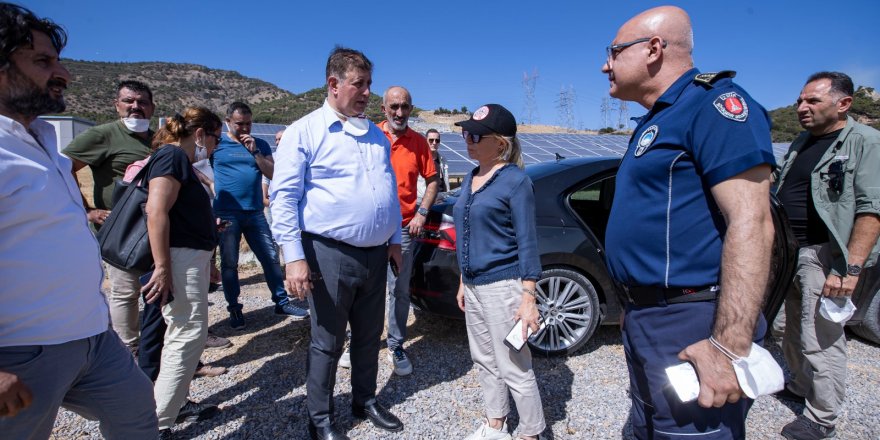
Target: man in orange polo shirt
{"x": 410, "y": 158}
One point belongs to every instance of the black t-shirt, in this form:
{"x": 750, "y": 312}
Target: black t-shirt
{"x": 191, "y": 216}
{"x": 796, "y": 196}
{"x": 441, "y": 184}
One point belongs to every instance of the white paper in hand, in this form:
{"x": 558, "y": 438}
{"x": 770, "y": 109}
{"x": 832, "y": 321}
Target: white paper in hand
{"x": 684, "y": 381}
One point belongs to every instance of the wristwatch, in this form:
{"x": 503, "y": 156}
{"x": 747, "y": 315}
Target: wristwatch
{"x": 853, "y": 270}
{"x": 422, "y": 211}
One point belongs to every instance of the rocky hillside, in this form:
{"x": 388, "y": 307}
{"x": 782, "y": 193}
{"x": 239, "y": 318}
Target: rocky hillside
{"x": 92, "y": 90}
{"x": 865, "y": 109}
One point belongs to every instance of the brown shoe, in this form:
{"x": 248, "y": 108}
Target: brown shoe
{"x": 205, "y": 370}
{"x": 215, "y": 341}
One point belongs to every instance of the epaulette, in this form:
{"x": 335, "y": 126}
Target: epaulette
{"x": 707, "y": 79}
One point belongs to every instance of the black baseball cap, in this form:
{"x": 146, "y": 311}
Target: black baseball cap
{"x": 488, "y": 119}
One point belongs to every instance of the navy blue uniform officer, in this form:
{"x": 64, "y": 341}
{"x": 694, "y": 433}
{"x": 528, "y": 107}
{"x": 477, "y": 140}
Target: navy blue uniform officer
{"x": 690, "y": 228}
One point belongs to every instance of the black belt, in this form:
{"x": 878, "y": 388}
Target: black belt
{"x": 653, "y": 296}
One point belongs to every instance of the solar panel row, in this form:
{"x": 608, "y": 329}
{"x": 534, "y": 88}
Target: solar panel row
{"x": 536, "y": 147}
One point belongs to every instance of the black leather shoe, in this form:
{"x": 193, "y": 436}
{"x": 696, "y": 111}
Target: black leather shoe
{"x": 326, "y": 433}
{"x": 381, "y": 417}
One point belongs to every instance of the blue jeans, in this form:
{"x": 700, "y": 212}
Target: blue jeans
{"x": 398, "y": 296}
{"x": 256, "y": 232}
{"x": 95, "y": 377}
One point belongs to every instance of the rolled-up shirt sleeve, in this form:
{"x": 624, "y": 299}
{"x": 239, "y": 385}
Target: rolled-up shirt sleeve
{"x": 286, "y": 193}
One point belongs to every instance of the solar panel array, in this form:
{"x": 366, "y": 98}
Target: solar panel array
{"x": 537, "y": 147}
{"x": 265, "y": 132}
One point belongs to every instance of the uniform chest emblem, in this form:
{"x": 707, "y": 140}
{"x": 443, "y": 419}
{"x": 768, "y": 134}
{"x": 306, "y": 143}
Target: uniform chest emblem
{"x": 646, "y": 139}
{"x": 732, "y": 106}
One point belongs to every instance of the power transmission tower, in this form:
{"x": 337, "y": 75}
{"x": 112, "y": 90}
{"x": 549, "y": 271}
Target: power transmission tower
{"x": 565, "y": 106}
{"x": 531, "y": 106}
{"x": 622, "y": 115}
{"x": 604, "y": 108}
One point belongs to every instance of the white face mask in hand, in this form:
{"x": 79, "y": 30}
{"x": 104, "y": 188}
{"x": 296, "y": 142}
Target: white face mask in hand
{"x": 136, "y": 125}
{"x": 838, "y": 309}
{"x": 758, "y": 374}
{"x": 356, "y": 125}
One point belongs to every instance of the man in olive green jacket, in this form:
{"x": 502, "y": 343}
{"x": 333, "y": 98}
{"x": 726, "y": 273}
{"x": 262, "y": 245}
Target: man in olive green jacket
{"x": 830, "y": 188}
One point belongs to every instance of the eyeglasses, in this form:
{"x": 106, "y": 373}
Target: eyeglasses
{"x": 433, "y": 141}
{"x": 474, "y": 138}
{"x": 615, "y": 49}
{"x": 213, "y": 135}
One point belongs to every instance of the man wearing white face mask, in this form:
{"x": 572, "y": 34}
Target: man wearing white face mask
{"x": 337, "y": 218}
{"x": 107, "y": 150}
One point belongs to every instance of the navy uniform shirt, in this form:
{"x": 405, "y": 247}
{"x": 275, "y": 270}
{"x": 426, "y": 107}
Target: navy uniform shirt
{"x": 665, "y": 228}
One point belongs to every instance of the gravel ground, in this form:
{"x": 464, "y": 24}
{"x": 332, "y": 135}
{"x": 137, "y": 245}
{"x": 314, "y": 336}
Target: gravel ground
{"x": 263, "y": 394}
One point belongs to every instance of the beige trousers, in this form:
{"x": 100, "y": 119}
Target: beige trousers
{"x": 187, "y": 319}
{"x": 125, "y": 290}
{"x": 814, "y": 347}
{"x": 489, "y": 311}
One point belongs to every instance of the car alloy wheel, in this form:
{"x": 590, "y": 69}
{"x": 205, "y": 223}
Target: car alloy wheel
{"x": 569, "y": 307}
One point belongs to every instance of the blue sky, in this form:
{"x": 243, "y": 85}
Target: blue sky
{"x": 467, "y": 53}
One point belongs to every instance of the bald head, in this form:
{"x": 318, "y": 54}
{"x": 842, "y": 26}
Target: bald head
{"x": 650, "y": 52}
{"x": 397, "y": 105}
{"x": 670, "y": 23}
{"x": 396, "y": 92}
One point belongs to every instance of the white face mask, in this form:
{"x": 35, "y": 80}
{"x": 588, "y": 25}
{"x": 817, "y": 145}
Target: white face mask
{"x": 201, "y": 153}
{"x": 136, "y": 125}
{"x": 758, "y": 373}
{"x": 356, "y": 125}
{"x": 837, "y": 310}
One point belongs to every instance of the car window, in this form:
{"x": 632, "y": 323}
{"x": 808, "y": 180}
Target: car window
{"x": 592, "y": 204}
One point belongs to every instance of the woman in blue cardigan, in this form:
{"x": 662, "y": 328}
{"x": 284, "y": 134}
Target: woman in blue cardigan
{"x": 498, "y": 256}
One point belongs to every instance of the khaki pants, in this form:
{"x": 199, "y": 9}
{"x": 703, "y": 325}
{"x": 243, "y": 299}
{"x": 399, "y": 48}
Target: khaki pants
{"x": 815, "y": 348}
{"x": 187, "y": 320}
{"x": 125, "y": 290}
{"x": 489, "y": 311}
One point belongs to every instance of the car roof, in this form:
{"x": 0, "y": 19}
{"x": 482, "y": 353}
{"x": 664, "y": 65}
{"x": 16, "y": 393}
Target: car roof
{"x": 576, "y": 168}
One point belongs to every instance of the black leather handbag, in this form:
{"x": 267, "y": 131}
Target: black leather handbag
{"x": 123, "y": 237}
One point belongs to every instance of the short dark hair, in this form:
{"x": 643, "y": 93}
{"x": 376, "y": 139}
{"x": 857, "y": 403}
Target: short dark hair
{"x": 841, "y": 83}
{"x": 343, "y": 59}
{"x": 134, "y": 86}
{"x": 431, "y": 130}
{"x": 17, "y": 25}
{"x": 240, "y": 107}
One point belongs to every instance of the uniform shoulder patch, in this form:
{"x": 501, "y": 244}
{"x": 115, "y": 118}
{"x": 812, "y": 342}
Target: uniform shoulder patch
{"x": 646, "y": 139}
{"x": 709, "y": 78}
{"x": 732, "y": 106}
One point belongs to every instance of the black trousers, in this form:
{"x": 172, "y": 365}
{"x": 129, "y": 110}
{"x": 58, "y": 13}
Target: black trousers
{"x": 152, "y": 339}
{"x": 349, "y": 287}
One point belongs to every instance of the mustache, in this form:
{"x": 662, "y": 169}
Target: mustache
{"x": 57, "y": 82}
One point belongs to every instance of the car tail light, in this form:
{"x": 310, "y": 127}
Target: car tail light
{"x": 440, "y": 234}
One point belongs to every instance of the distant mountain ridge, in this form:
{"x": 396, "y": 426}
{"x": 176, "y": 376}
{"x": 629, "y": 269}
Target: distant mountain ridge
{"x": 865, "y": 109}
{"x": 92, "y": 90}
{"x": 175, "y": 86}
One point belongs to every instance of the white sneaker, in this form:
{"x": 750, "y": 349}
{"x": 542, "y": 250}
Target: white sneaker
{"x": 345, "y": 359}
{"x": 486, "y": 432}
{"x": 402, "y": 365}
